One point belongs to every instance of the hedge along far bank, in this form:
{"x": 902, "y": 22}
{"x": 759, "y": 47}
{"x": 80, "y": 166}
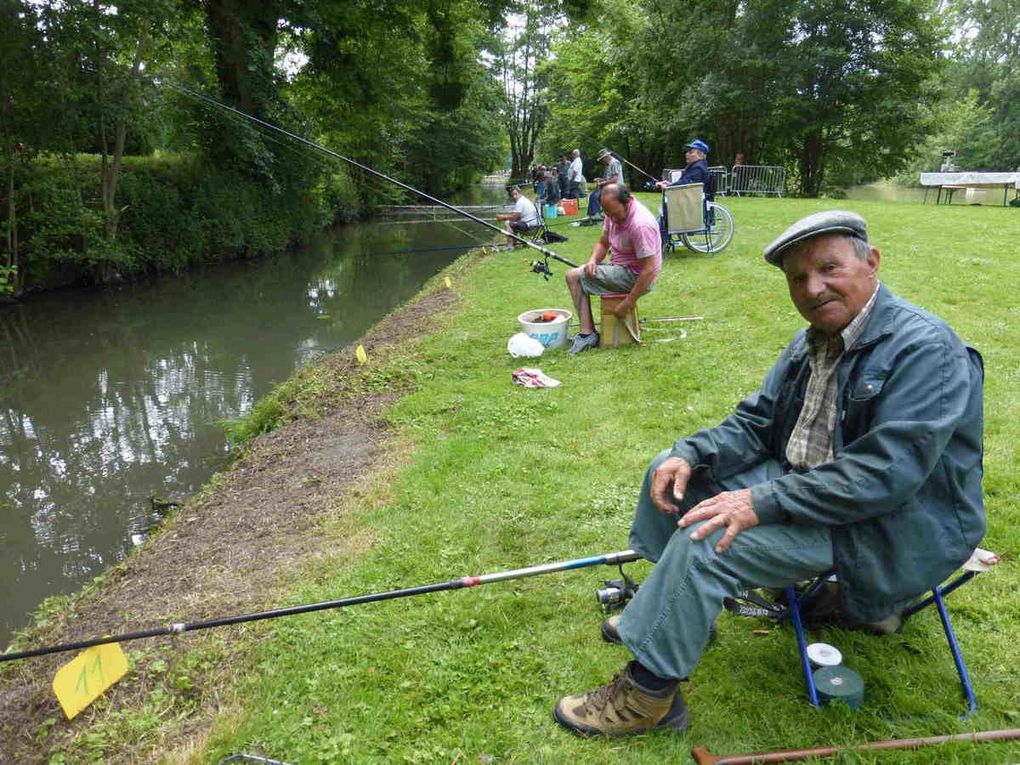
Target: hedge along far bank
{"x": 176, "y": 210}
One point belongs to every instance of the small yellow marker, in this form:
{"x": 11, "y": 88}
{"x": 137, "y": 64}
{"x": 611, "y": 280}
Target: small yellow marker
{"x": 84, "y": 679}
{"x": 359, "y": 352}
{"x": 449, "y": 284}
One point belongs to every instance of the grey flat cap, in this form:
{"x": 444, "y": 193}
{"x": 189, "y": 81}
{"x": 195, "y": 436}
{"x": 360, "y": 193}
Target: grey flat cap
{"x": 827, "y": 222}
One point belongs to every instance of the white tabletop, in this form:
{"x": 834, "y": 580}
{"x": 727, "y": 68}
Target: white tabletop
{"x": 971, "y": 179}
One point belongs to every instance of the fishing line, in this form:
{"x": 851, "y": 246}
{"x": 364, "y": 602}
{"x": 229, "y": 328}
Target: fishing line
{"x": 304, "y": 153}
{"x": 607, "y": 559}
{"x": 365, "y": 168}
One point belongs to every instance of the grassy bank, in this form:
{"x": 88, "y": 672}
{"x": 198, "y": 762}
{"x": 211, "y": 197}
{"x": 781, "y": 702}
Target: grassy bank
{"x": 492, "y": 476}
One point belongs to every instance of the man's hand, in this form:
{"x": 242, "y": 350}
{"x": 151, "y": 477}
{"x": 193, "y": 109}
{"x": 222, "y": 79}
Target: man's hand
{"x": 669, "y": 482}
{"x": 590, "y": 267}
{"x": 621, "y": 308}
{"x": 661, "y": 185}
{"x": 732, "y": 509}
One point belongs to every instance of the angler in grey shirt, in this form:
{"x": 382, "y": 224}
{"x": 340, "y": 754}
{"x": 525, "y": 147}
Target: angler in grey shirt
{"x": 613, "y": 173}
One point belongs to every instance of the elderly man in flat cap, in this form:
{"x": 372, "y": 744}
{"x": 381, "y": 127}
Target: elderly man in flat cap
{"x": 613, "y": 173}
{"x": 861, "y": 454}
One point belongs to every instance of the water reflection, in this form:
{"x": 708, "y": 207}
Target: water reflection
{"x": 109, "y": 397}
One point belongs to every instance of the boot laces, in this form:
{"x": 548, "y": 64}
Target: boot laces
{"x": 600, "y": 698}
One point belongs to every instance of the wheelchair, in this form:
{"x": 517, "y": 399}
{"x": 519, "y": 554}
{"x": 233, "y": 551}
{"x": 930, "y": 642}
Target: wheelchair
{"x": 694, "y": 221}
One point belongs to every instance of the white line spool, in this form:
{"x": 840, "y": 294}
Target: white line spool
{"x": 823, "y": 655}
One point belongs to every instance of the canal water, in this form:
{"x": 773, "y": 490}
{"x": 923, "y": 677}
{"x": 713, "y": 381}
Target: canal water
{"x": 111, "y": 397}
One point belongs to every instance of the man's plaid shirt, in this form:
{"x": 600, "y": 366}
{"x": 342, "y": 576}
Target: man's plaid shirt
{"x": 810, "y": 443}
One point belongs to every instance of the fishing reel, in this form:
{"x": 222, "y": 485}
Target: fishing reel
{"x": 616, "y": 592}
{"x": 540, "y": 267}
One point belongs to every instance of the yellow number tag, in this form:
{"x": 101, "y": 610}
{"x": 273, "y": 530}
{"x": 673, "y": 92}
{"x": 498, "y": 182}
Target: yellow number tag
{"x": 449, "y": 284}
{"x": 360, "y": 353}
{"x": 84, "y": 679}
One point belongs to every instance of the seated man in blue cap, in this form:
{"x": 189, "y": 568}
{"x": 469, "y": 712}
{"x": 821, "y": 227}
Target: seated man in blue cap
{"x": 860, "y": 454}
{"x": 696, "y": 171}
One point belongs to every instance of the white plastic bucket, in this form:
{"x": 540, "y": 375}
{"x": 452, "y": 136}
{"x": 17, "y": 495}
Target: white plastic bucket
{"x": 551, "y": 334}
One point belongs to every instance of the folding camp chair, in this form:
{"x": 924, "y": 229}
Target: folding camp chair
{"x": 537, "y": 234}
{"x": 980, "y": 561}
{"x": 690, "y": 218}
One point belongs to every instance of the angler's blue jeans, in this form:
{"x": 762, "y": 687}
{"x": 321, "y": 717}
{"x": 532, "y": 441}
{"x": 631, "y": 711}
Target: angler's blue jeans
{"x": 667, "y": 623}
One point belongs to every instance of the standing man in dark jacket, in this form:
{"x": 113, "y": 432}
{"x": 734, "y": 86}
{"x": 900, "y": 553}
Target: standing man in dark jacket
{"x": 861, "y": 453}
{"x": 563, "y": 171}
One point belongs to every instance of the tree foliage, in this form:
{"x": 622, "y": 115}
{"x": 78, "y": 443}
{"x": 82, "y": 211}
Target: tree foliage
{"x": 394, "y": 83}
{"x": 834, "y": 90}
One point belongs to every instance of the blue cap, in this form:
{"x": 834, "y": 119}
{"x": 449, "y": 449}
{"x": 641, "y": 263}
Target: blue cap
{"x": 698, "y": 144}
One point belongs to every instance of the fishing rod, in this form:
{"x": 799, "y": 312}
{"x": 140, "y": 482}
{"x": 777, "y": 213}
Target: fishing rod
{"x": 624, "y": 159}
{"x": 365, "y": 168}
{"x": 607, "y": 559}
{"x": 631, "y": 164}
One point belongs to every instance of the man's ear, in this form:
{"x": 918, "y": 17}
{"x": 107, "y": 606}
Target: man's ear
{"x": 874, "y": 259}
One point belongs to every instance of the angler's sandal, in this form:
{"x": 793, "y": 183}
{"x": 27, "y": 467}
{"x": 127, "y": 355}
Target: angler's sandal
{"x": 621, "y": 708}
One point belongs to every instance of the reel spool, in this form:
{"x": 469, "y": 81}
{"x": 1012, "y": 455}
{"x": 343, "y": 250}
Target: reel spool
{"x": 839, "y": 683}
{"x": 616, "y": 592}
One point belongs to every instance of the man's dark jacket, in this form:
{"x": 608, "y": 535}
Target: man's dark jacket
{"x": 698, "y": 172}
{"x": 902, "y": 494}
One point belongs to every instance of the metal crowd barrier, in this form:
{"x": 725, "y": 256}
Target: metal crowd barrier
{"x": 756, "y": 179}
{"x": 720, "y": 179}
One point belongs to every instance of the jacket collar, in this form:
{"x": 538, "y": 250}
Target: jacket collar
{"x": 879, "y": 325}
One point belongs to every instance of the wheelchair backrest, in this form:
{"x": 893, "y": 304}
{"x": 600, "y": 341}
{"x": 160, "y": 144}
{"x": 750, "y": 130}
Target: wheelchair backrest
{"x": 684, "y": 207}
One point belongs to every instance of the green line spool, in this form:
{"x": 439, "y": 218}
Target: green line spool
{"x": 839, "y": 683}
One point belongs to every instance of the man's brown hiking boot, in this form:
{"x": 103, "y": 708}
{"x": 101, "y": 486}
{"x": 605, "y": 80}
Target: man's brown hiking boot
{"x": 621, "y": 708}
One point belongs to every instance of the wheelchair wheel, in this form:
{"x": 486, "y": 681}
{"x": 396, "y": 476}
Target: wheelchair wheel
{"x": 718, "y": 234}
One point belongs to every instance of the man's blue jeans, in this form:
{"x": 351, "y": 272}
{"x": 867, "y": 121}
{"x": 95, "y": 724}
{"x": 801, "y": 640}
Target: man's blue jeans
{"x": 667, "y": 624}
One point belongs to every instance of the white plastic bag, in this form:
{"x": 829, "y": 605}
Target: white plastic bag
{"x": 522, "y": 345}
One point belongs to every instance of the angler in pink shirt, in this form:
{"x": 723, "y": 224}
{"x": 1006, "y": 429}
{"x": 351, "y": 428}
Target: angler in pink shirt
{"x": 631, "y": 236}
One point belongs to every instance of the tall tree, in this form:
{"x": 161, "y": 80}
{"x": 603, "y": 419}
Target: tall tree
{"x": 24, "y": 85}
{"x": 517, "y": 57}
{"x": 857, "y": 73}
{"x": 988, "y": 64}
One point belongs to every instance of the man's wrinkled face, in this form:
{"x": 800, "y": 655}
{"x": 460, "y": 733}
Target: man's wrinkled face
{"x": 828, "y": 282}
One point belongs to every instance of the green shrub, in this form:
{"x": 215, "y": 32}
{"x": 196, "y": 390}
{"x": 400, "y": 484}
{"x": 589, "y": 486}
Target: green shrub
{"x": 174, "y": 211}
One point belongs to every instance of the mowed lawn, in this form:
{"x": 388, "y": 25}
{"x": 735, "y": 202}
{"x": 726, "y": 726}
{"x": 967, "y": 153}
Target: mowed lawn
{"x": 492, "y": 476}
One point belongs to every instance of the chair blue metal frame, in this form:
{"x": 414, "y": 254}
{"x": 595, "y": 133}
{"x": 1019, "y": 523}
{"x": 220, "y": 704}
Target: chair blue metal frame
{"x": 972, "y": 568}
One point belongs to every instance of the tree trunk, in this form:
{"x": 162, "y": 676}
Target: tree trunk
{"x": 13, "y": 276}
{"x": 244, "y": 41}
{"x": 111, "y": 169}
{"x": 811, "y": 161}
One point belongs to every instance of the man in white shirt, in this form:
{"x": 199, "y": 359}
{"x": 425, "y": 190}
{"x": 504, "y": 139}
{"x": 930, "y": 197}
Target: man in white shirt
{"x": 575, "y": 176}
{"x": 523, "y": 219}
